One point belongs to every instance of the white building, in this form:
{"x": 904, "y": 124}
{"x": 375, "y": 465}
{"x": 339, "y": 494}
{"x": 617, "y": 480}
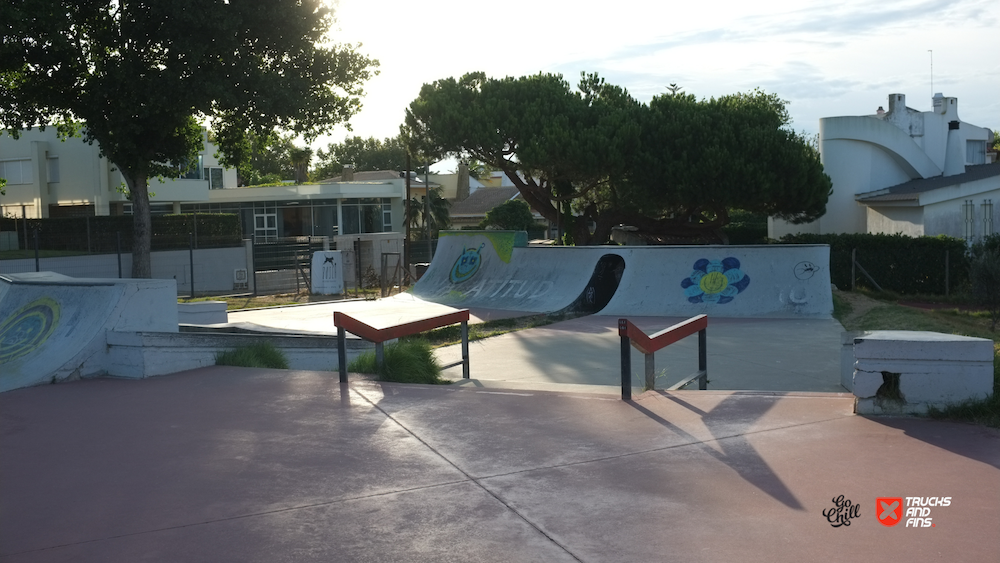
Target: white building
{"x": 906, "y": 171}
{"x": 48, "y": 177}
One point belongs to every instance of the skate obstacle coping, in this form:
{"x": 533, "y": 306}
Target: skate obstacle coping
{"x": 633, "y": 336}
{"x": 346, "y": 323}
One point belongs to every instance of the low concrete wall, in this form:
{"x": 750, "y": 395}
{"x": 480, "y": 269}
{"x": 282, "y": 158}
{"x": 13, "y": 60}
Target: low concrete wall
{"x": 147, "y": 354}
{"x": 203, "y": 313}
{"x": 901, "y": 372}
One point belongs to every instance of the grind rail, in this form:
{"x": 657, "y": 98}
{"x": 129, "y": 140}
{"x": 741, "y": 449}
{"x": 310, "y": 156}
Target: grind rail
{"x": 632, "y": 336}
{"x": 346, "y": 323}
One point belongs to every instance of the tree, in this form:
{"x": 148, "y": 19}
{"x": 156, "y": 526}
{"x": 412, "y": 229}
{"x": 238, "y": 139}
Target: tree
{"x": 269, "y": 159}
{"x": 594, "y": 158}
{"x": 430, "y": 214}
{"x": 365, "y": 155}
{"x": 141, "y": 77}
{"x": 513, "y": 215}
{"x": 300, "y": 157}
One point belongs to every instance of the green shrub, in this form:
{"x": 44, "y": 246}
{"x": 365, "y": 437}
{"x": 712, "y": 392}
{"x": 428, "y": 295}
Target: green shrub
{"x": 984, "y": 279}
{"x": 260, "y": 355}
{"x": 405, "y": 361}
{"x": 901, "y": 264}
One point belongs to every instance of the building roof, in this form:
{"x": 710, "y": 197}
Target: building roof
{"x": 483, "y": 200}
{"x": 910, "y": 191}
{"x": 379, "y": 175}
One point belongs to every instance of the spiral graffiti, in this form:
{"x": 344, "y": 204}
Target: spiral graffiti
{"x": 28, "y": 328}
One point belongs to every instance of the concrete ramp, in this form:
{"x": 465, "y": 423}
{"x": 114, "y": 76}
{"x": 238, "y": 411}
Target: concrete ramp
{"x": 54, "y": 327}
{"x": 496, "y": 269}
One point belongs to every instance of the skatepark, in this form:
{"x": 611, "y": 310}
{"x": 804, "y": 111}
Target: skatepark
{"x": 535, "y": 458}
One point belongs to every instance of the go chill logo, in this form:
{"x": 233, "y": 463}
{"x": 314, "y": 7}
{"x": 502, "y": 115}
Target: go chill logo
{"x": 915, "y": 510}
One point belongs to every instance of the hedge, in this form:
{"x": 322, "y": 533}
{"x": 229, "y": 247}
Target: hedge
{"x": 899, "y": 263}
{"x": 99, "y": 234}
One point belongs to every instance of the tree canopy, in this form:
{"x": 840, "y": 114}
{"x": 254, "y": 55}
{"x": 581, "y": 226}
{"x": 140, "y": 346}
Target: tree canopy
{"x": 142, "y": 77}
{"x": 513, "y": 215}
{"x": 594, "y": 157}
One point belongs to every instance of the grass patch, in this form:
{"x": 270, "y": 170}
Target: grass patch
{"x": 405, "y": 361}
{"x": 30, "y": 253}
{"x": 841, "y": 308}
{"x": 261, "y": 355}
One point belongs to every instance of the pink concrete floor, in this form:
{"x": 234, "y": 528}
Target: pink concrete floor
{"x": 230, "y": 464}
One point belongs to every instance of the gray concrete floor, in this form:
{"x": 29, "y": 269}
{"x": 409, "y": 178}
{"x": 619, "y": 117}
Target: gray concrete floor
{"x": 231, "y": 464}
{"x": 757, "y": 354}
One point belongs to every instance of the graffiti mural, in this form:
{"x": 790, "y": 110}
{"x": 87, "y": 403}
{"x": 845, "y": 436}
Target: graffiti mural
{"x": 715, "y": 281}
{"x": 467, "y": 264}
{"x": 28, "y": 328}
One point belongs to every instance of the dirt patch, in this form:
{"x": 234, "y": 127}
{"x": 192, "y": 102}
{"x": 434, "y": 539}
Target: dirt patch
{"x": 860, "y": 305}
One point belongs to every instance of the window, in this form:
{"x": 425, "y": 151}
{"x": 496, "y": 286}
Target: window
{"x": 975, "y": 152}
{"x": 17, "y": 171}
{"x": 214, "y": 177}
{"x": 53, "y": 168}
{"x": 369, "y": 215}
{"x": 192, "y": 173}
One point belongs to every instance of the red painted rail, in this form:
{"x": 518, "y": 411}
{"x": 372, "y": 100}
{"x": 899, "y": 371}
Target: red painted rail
{"x": 632, "y": 336}
{"x": 346, "y": 323}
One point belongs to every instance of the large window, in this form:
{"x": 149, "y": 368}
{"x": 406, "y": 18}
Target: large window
{"x": 369, "y": 215}
{"x": 214, "y": 177}
{"x": 191, "y": 171}
{"x": 975, "y": 152}
{"x": 17, "y": 171}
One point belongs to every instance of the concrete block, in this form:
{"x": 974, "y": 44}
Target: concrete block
{"x": 202, "y": 313}
{"x": 933, "y": 369}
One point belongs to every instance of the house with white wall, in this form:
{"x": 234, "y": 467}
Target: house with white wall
{"x": 49, "y": 177}
{"x": 906, "y": 171}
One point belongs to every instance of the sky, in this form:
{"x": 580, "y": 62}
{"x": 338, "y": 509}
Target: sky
{"x": 825, "y": 58}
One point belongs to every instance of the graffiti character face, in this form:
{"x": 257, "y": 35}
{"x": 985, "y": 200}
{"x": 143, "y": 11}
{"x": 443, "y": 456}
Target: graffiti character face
{"x": 467, "y": 264}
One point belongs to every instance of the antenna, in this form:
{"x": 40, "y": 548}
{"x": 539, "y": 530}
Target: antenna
{"x": 931, "y": 51}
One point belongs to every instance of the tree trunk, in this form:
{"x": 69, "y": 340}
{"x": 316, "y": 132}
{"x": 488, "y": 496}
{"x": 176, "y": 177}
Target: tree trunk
{"x": 141, "y": 223}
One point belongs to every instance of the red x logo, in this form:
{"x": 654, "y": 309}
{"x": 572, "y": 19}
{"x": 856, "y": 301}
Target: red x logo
{"x": 889, "y": 510}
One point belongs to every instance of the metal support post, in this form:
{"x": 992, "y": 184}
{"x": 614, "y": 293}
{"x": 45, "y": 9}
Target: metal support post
{"x": 703, "y": 358}
{"x": 626, "y": 366}
{"x": 118, "y": 237}
{"x": 465, "y": 349}
{"x": 342, "y": 353}
{"x": 650, "y": 372}
{"x": 379, "y": 355}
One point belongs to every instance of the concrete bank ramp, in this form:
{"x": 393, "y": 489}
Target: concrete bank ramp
{"x": 496, "y": 269}
{"x": 54, "y": 327}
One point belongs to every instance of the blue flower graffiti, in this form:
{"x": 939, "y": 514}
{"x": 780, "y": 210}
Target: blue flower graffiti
{"x": 714, "y": 281}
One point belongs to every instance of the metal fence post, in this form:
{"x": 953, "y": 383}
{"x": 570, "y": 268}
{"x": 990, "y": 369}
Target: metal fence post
{"x": 854, "y": 261}
{"x": 191, "y": 260}
{"x": 947, "y": 270}
{"x": 465, "y": 349}
{"x": 37, "y": 263}
{"x": 703, "y": 358}
{"x": 253, "y": 252}
{"x": 626, "y": 364}
{"x": 118, "y": 237}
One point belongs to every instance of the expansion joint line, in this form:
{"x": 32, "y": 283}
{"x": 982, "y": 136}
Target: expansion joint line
{"x": 477, "y": 482}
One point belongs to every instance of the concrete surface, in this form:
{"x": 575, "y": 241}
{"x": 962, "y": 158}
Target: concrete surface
{"x": 760, "y": 354}
{"x": 317, "y": 318}
{"x": 487, "y": 269}
{"x": 229, "y": 464}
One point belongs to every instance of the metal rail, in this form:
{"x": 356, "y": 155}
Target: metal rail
{"x": 632, "y": 336}
{"x": 346, "y": 323}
